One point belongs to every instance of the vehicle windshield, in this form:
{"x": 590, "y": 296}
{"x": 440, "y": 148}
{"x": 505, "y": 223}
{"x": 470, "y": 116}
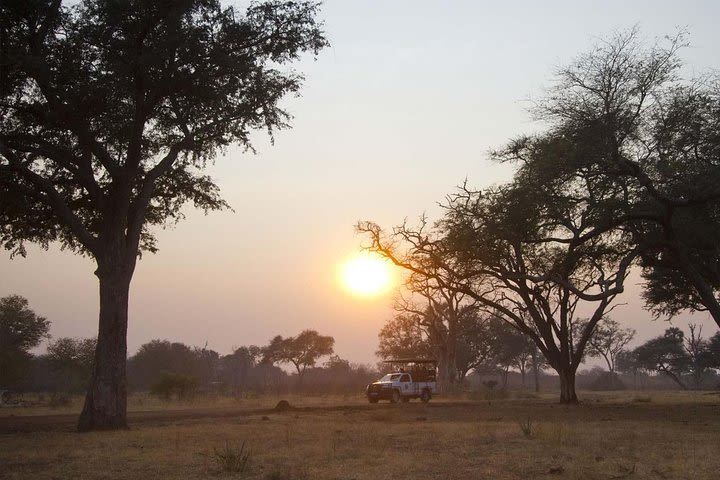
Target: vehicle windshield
{"x": 390, "y": 377}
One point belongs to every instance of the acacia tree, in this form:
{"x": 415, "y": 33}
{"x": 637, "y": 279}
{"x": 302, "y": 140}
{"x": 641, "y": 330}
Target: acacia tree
{"x": 608, "y": 341}
{"x": 110, "y": 110}
{"x": 519, "y": 252}
{"x": 302, "y": 351}
{"x": 20, "y": 330}
{"x": 666, "y": 355}
{"x": 647, "y": 130}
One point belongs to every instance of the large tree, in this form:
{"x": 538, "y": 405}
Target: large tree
{"x": 517, "y": 251}
{"x": 644, "y": 128}
{"x": 20, "y": 330}
{"x": 110, "y": 111}
{"x": 404, "y": 336}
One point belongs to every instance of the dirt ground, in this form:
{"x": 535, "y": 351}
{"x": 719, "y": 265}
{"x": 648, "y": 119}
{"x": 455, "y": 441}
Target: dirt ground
{"x": 609, "y": 436}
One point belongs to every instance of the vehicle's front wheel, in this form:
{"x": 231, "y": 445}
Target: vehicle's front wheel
{"x": 395, "y": 398}
{"x": 372, "y": 400}
{"x": 425, "y": 396}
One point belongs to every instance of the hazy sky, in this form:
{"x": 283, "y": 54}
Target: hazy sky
{"x": 402, "y": 107}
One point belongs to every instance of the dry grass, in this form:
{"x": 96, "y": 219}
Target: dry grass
{"x": 609, "y": 436}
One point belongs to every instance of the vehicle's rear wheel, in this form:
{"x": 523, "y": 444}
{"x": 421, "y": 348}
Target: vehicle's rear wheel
{"x": 425, "y": 396}
{"x": 395, "y": 398}
{"x": 372, "y": 400}
{"x": 405, "y": 399}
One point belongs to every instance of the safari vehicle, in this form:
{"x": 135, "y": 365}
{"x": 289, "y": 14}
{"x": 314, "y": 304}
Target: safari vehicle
{"x": 413, "y": 378}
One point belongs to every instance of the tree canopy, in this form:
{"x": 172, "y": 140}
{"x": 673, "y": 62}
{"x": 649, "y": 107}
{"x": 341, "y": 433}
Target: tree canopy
{"x": 302, "y": 351}
{"x": 20, "y": 330}
{"x": 109, "y": 113}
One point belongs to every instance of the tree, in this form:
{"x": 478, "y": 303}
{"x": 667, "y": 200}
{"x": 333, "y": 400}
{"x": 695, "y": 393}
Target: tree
{"x": 403, "y": 336}
{"x": 646, "y": 130}
{"x": 666, "y": 355}
{"x": 626, "y": 361}
{"x": 302, "y": 351}
{"x": 73, "y": 358}
{"x": 479, "y": 346}
{"x": 608, "y": 340}
{"x": 20, "y": 330}
{"x": 236, "y": 368}
{"x": 110, "y": 110}
{"x": 158, "y": 357}
{"x": 714, "y": 351}
{"x": 699, "y": 353}
{"x": 516, "y": 250}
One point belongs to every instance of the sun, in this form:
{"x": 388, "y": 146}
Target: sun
{"x": 366, "y": 274}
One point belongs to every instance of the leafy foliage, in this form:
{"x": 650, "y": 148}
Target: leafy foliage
{"x": 168, "y": 385}
{"x": 302, "y": 351}
{"x": 665, "y": 354}
{"x": 110, "y": 110}
{"x": 20, "y": 330}
{"x": 73, "y": 359}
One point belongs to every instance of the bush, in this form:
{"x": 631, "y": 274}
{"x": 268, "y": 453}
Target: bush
{"x": 169, "y": 384}
{"x": 232, "y": 459}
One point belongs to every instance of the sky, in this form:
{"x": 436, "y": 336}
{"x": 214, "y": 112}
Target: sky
{"x": 404, "y": 105}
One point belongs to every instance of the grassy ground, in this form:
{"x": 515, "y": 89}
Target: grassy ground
{"x": 610, "y": 436}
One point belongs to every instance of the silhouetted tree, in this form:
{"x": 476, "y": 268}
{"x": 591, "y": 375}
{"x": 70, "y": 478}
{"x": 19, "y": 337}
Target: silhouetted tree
{"x": 698, "y": 351}
{"x": 161, "y": 356}
{"x": 666, "y": 355}
{"x": 72, "y": 358}
{"x": 20, "y": 330}
{"x": 627, "y": 362}
{"x": 404, "y": 336}
{"x": 714, "y": 351}
{"x": 109, "y": 112}
{"x": 608, "y": 340}
{"x": 237, "y": 367}
{"x": 613, "y": 178}
{"x": 302, "y": 351}
{"x": 651, "y": 136}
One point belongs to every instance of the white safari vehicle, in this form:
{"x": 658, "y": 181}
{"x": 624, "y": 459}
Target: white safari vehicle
{"x": 414, "y": 379}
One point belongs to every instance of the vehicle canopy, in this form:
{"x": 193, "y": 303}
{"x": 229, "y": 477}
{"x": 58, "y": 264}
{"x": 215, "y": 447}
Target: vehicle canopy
{"x": 420, "y": 369}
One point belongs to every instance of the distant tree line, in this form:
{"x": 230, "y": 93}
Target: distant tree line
{"x": 172, "y": 369}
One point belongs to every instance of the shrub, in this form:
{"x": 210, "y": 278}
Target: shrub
{"x": 232, "y": 459}
{"x": 169, "y": 384}
{"x": 527, "y": 427}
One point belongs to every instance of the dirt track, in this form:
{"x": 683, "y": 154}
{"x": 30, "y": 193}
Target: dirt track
{"x": 458, "y": 411}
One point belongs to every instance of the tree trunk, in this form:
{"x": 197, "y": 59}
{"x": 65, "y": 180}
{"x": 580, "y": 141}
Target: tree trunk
{"x": 536, "y": 369}
{"x": 106, "y": 400}
{"x": 567, "y": 387}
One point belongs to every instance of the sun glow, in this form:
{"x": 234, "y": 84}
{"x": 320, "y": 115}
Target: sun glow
{"x": 366, "y": 275}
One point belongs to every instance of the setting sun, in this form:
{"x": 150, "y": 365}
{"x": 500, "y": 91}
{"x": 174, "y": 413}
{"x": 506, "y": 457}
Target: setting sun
{"x": 366, "y": 274}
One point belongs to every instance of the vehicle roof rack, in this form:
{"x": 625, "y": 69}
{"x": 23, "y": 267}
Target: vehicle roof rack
{"x": 410, "y": 360}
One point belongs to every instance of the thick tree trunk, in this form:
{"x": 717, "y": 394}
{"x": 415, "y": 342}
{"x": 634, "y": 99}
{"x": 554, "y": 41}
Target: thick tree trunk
{"x": 106, "y": 399}
{"x": 567, "y": 387}
{"x": 446, "y": 370}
